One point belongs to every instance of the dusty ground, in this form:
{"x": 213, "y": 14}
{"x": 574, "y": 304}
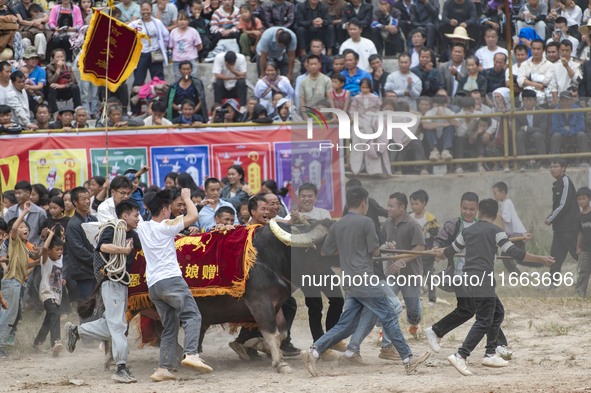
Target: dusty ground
{"x": 551, "y": 338}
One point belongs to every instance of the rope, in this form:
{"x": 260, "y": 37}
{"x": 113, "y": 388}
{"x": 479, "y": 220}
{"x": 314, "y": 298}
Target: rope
{"x": 115, "y": 266}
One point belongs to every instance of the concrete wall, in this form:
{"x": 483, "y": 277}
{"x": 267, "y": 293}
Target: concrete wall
{"x": 531, "y": 193}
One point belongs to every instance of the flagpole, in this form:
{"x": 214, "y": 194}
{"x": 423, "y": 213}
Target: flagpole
{"x": 108, "y": 55}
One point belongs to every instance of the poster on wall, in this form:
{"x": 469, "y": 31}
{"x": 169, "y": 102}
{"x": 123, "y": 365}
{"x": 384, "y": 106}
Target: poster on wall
{"x": 193, "y": 160}
{"x": 255, "y": 159}
{"x": 120, "y": 160}
{"x": 302, "y": 162}
{"x": 58, "y": 168}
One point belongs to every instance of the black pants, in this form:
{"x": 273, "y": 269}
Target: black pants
{"x": 305, "y": 35}
{"x": 489, "y": 316}
{"x": 53, "y": 95}
{"x": 562, "y": 244}
{"x": 51, "y": 323}
{"x": 315, "y": 306}
{"x": 428, "y": 271}
{"x": 239, "y": 91}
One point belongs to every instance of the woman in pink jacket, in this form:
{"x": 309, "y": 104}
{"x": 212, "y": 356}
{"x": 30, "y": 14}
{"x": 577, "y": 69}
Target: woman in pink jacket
{"x": 64, "y": 20}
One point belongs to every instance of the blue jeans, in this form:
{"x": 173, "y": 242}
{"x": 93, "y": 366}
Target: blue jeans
{"x": 447, "y": 139}
{"x": 176, "y": 308}
{"x": 375, "y": 300}
{"x": 11, "y": 289}
{"x": 145, "y": 64}
{"x": 368, "y": 320}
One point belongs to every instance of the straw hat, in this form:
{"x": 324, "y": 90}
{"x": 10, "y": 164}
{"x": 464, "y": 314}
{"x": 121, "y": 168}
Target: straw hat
{"x": 460, "y": 33}
{"x": 585, "y": 29}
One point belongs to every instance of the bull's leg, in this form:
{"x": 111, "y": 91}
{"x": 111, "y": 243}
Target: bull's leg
{"x": 273, "y": 340}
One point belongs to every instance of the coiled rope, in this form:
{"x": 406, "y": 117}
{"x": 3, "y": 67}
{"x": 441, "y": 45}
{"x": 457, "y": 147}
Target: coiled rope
{"x": 115, "y": 266}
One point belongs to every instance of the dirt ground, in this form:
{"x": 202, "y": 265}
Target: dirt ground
{"x": 551, "y": 338}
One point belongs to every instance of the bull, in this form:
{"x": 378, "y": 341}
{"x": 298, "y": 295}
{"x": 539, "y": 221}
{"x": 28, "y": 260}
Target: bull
{"x": 269, "y": 285}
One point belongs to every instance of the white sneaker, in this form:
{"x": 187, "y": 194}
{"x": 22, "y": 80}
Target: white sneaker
{"x": 433, "y": 340}
{"x": 504, "y": 352}
{"x": 446, "y": 155}
{"x": 459, "y": 364}
{"x": 434, "y": 156}
{"x": 494, "y": 361}
{"x": 459, "y": 170}
{"x": 195, "y": 362}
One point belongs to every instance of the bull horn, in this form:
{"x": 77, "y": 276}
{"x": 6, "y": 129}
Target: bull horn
{"x": 303, "y": 240}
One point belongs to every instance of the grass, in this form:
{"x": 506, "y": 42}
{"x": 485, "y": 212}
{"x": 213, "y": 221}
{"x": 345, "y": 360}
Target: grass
{"x": 553, "y": 329}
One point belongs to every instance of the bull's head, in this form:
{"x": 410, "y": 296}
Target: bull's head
{"x": 304, "y": 240}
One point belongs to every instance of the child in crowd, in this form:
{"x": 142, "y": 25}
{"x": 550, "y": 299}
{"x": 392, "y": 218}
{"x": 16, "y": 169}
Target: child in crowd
{"x": 418, "y": 204}
{"x": 197, "y": 196}
{"x": 583, "y": 241}
{"x": 50, "y": 293}
{"x": 185, "y": 43}
{"x": 224, "y": 218}
{"x": 137, "y": 194}
{"x": 340, "y": 96}
{"x": 69, "y": 208}
{"x": 201, "y": 24}
{"x": 57, "y": 220}
{"x": 188, "y": 115}
{"x": 243, "y": 213}
{"x": 6, "y": 123}
{"x": 251, "y": 29}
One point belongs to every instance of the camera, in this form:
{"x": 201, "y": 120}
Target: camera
{"x": 221, "y": 111}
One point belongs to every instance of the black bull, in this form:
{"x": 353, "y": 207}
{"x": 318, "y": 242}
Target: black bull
{"x": 270, "y": 284}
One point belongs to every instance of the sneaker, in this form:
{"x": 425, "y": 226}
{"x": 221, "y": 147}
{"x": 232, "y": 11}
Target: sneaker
{"x": 459, "y": 363}
{"x": 38, "y": 348}
{"x": 329, "y": 356}
{"x": 481, "y": 168}
{"x": 71, "y": 336}
{"x": 433, "y": 339}
{"x": 494, "y": 361}
{"x": 341, "y": 346}
{"x": 240, "y": 350}
{"x": 124, "y": 376}
{"x": 10, "y": 339}
{"x": 162, "y": 374}
{"x": 195, "y": 362}
{"x": 415, "y": 362}
{"x": 434, "y": 156}
{"x": 504, "y": 352}
{"x": 459, "y": 170}
{"x": 310, "y": 362}
{"x": 414, "y": 330}
{"x": 521, "y": 169}
{"x": 57, "y": 348}
{"x": 289, "y": 350}
{"x": 355, "y": 360}
{"x": 446, "y": 155}
{"x": 388, "y": 353}
{"x": 424, "y": 172}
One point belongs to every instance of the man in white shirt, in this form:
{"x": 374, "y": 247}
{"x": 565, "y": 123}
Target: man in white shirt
{"x": 417, "y": 39}
{"x": 537, "y": 73}
{"x": 360, "y": 45}
{"x": 567, "y": 71}
{"x": 121, "y": 190}
{"x": 403, "y": 82}
{"x": 211, "y": 203}
{"x": 167, "y": 288}
{"x": 229, "y": 72}
{"x": 17, "y": 99}
{"x": 308, "y": 195}
{"x": 487, "y": 53}
{"x": 158, "y": 116}
{"x": 5, "y": 71}
{"x": 561, "y": 33}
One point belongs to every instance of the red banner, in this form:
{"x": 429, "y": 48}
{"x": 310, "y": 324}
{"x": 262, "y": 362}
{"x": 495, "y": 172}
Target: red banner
{"x": 64, "y": 160}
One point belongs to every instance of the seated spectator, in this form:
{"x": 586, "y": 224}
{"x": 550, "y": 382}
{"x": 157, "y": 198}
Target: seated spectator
{"x": 413, "y": 148}
{"x": 313, "y": 22}
{"x": 532, "y": 130}
{"x": 256, "y": 9}
{"x": 209, "y": 7}
{"x": 496, "y": 76}
{"x": 444, "y": 127}
{"x": 537, "y": 74}
{"x": 130, "y": 11}
{"x": 166, "y": 12}
{"x": 533, "y": 14}
{"x": 187, "y": 115}
{"x": 229, "y": 71}
{"x": 552, "y": 52}
{"x": 427, "y": 18}
{"x": 278, "y": 45}
{"x": 158, "y": 116}
{"x": 283, "y": 111}
{"x": 561, "y": 32}
{"x": 460, "y": 13}
{"x": 260, "y": 115}
{"x": 224, "y": 22}
{"x": 336, "y": 9}
{"x": 567, "y": 71}
{"x": 42, "y": 117}
{"x": 386, "y": 33}
{"x": 315, "y": 86}
{"x": 18, "y": 100}
{"x": 6, "y": 123}
{"x": 428, "y": 73}
{"x": 62, "y": 84}
{"x": 187, "y": 88}
{"x": 251, "y": 30}
{"x": 64, "y": 20}
{"x": 352, "y": 72}
{"x": 359, "y": 11}
{"x": 32, "y": 20}
{"x": 454, "y": 69}
{"x": 338, "y": 64}
{"x": 80, "y": 118}
{"x": 272, "y": 83}
{"x": 36, "y": 78}
{"x": 487, "y": 53}
{"x": 64, "y": 120}
{"x": 249, "y": 112}
{"x": 362, "y": 46}
{"x": 201, "y": 24}
{"x": 229, "y": 112}
{"x": 468, "y": 134}
{"x": 403, "y": 82}
{"x": 474, "y": 80}
{"x": 157, "y": 43}
{"x": 278, "y": 13}
{"x": 115, "y": 118}
{"x": 185, "y": 43}
{"x": 5, "y": 71}
{"x": 378, "y": 75}
{"x": 573, "y": 15}
{"x": 568, "y": 128}
{"x": 417, "y": 41}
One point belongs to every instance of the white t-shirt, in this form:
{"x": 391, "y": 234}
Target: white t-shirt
{"x": 364, "y": 49}
{"x": 157, "y": 240}
{"x": 3, "y": 91}
{"x": 486, "y": 56}
{"x": 510, "y": 218}
{"x": 51, "y": 280}
{"x": 219, "y": 67}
